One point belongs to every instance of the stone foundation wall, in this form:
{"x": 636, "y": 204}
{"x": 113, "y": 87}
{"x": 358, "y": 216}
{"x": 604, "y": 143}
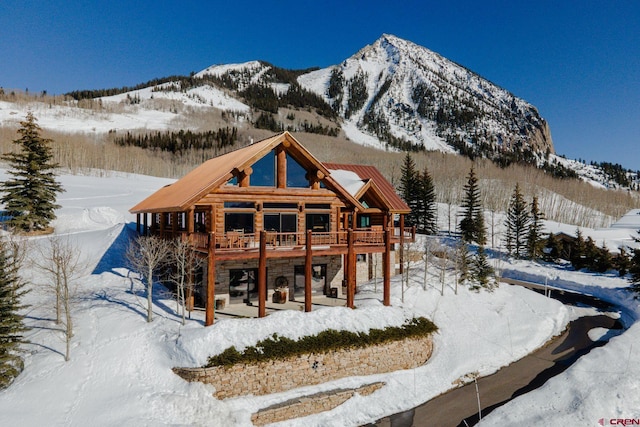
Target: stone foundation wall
{"x": 310, "y": 369}
{"x": 308, "y": 405}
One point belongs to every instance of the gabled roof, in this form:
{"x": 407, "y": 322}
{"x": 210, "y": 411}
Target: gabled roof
{"x": 376, "y": 183}
{"x": 213, "y": 173}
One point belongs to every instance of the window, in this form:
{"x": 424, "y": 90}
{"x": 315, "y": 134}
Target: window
{"x": 264, "y": 171}
{"x": 296, "y": 174}
{"x": 182, "y": 223}
{"x": 243, "y": 285}
{"x": 364, "y": 221}
{"x": 318, "y": 222}
{"x": 318, "y": 280}
{"x": 234, "y": 221}
{"x": 200, "y": 221}
{"x": 361, "y": 257}
{"x": 281, "y": 222}
{"x": 240, "y": 205}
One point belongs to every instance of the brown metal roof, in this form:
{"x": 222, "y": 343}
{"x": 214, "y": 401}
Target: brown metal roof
{"x": 397, "y": 205}
{"x": 185, "y": 192}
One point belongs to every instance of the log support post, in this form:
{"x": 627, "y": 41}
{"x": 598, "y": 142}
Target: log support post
{"x": 308, "y": 273}
{"x": 386, "y": 265}
{"x": 401, "y": 244}
{"x": 211, "y": 282}
{"x": 262, "y": 275}
{"x": 351, "y": 270}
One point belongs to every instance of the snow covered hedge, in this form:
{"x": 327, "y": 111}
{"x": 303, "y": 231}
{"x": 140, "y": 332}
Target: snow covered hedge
{"x": 277, "y": 347}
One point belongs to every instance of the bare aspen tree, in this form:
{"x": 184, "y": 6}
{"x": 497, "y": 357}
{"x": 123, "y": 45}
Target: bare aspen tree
{"x": 448, "y": 193}
{"x": 146, "y": 254}
{"x": 442, "y": 262}
{"x": 60, "y": 260}
{"x": 427, "y": 254}
{"x": 412, "y": 256}
{"x": 185, "y": 262}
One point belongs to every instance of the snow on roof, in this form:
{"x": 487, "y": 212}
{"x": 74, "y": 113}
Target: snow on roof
{"x": 350, "y": 181}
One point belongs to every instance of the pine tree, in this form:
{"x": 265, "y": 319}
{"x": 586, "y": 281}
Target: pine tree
{"x": 622, "y": 262}
{"x": 409, "y": 188}
{"x": 427, "y": 212}
{"x": 535, "y": 242}
{"x": 481, "y": 271}
{"x": 591, "y": 253}
{"x": 578, "y": 252}
{"x": 604, "y": 259}
{"x": 30, "y": 195}
{"x": 11, "y": 322}
{"x": 472, "y": 224}
{"x": 517, "y": 224}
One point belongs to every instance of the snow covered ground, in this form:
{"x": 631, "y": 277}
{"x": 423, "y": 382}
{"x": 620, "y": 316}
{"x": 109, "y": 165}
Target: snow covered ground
{"x": 120, "y": 367}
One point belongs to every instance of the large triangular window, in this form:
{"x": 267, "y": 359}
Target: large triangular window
{"x": 264, "y": 171}
{"x": 296, "y": 174}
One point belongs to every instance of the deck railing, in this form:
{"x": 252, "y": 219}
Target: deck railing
{"x": 234, "y": 240}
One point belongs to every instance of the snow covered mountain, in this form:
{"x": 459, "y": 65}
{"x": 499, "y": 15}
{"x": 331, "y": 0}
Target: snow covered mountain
{"x": 403, "y": 93}
{"x": 392, "y": 94}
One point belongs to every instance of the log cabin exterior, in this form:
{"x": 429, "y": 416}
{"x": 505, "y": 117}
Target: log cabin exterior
{"x": 270, "y": 217}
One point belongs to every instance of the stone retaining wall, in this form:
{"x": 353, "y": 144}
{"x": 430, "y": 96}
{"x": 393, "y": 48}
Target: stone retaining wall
{"x": 308, "y": 405}
{"x": 310, "y": 369}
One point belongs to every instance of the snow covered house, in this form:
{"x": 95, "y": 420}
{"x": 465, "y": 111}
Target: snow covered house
{"x": 270, "y": 218}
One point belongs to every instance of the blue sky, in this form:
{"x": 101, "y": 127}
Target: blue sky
{"x": 578, "y": 62}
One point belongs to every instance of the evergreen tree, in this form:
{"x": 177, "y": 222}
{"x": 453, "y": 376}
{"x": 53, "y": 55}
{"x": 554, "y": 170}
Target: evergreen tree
{"x": 517, "y": 223}
{"x": 591, "y": 254}
{"x": 11, "y": 325}
{"x": 604, "y": 259}
{"x": 578, "y": 252}
{"x": 622, "y": 262}
{"x": 472, "y": 224}
{"x": 30, "y": 194}
{"x": 409, "y": 188}
{"x": 427, "y": 212}
{"x": 481, "y": 271}
{"x": 535, "y": 242}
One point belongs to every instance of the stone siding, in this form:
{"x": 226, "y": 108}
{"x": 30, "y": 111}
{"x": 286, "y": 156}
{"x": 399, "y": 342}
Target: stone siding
{"x": 310, "y": 369}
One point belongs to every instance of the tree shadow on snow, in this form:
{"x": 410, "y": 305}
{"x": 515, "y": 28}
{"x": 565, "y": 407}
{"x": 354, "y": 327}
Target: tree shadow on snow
{"x": 114, "y": 257}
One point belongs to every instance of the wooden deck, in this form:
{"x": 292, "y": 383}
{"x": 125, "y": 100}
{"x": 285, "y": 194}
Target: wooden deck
{"x": 240, "y": 245}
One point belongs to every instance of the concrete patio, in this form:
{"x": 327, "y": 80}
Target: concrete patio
{"x": 244, "y": 310}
